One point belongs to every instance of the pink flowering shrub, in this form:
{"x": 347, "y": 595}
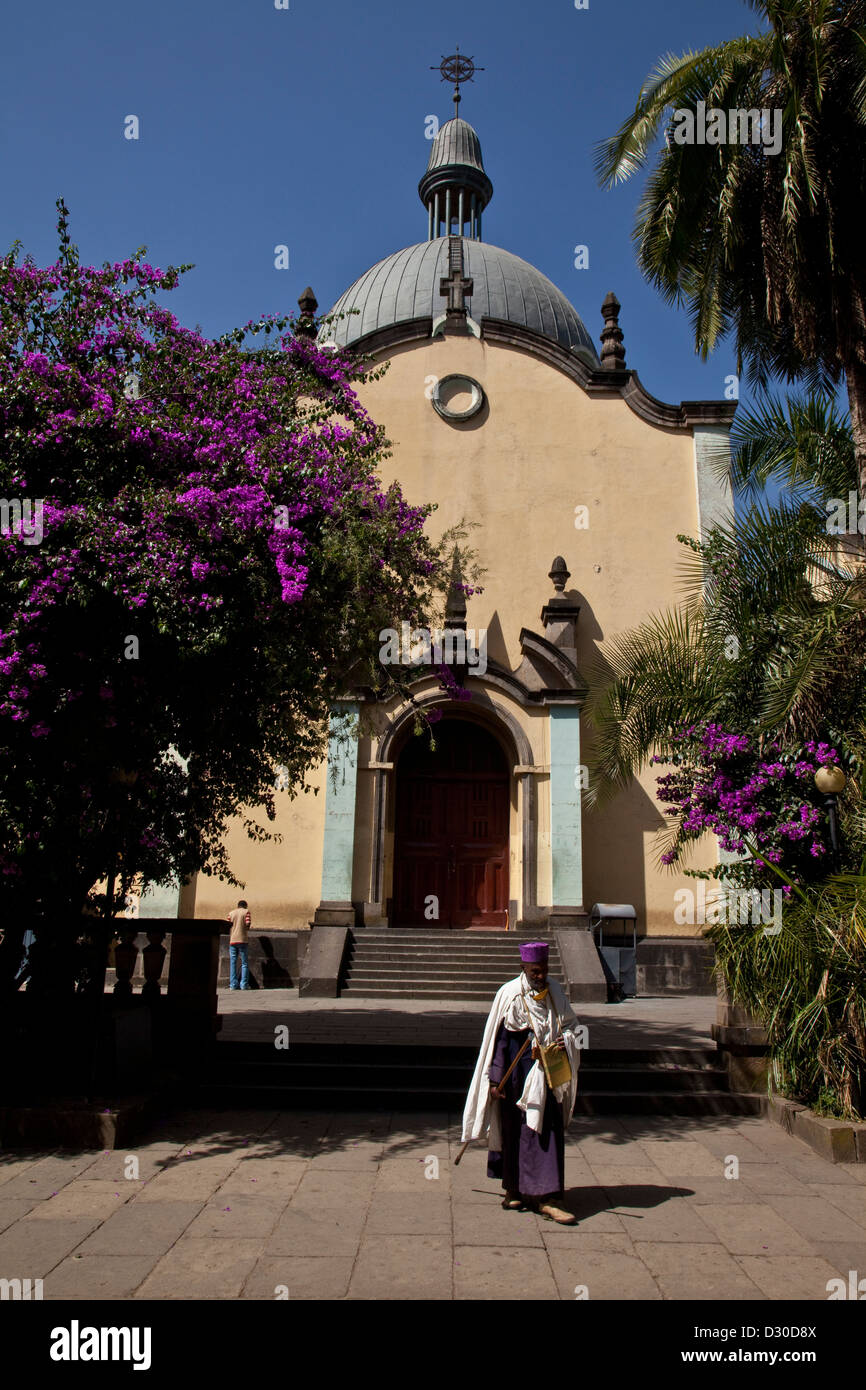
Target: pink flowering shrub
{"x": 721, "y": 783}
{"x": 216, "y": 557}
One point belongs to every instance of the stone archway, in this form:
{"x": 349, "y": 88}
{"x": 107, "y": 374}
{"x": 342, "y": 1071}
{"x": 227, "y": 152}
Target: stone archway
{"x": 521, "y": 761}
{"x": 451, "y": 840}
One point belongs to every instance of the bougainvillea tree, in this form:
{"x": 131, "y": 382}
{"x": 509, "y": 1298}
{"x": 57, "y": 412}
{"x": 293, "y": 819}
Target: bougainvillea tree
{"x": 762, "y": 805}
{"x": 196, "y": 552}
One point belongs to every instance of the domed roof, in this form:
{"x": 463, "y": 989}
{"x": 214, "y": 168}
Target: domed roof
{"x": 456, "y": 143}
{"x": 405, "y": 286}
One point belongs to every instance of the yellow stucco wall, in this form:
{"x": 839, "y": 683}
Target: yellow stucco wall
{"x": 541, "y": 448}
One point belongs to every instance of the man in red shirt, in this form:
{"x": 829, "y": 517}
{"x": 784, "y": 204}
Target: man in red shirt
{"x": 240, "y": 920}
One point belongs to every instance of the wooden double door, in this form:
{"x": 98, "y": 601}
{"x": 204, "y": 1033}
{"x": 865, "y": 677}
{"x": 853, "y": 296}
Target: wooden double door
{"x": 451, "y": 830}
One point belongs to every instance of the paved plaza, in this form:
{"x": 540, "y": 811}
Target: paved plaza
{"x": 260, "y": 1204}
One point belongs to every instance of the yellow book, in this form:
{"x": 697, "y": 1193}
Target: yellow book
{"x": 557, "y": 1067}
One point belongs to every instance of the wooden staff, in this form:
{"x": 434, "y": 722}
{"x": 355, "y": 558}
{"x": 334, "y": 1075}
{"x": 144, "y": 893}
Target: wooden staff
{"x": 498, "y": 1088}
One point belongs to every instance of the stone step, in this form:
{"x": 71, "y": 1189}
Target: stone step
{"x": 446, "y": 943}
{"x": 417, "y": 992}
{"x": 452, "y": 970}
{"x": 507, "y": 951}
{"x": 598, "y": 1079}
{"x": 435, "y": 1097}
{"x": 440, "y": 963}
{"x": 396, "y": 972}
{"x": 505, "y": 961}
{"x": 392, "y": 948}
{"x": 662, "y": 1103}
{"x": 636, "y": 1081}
{"x": 442, "y": 1050}
{"x": 424, "y": 980}
{"x": 450, "y": 933}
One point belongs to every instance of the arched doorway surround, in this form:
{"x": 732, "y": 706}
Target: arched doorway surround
{"x": 520, "y": 763}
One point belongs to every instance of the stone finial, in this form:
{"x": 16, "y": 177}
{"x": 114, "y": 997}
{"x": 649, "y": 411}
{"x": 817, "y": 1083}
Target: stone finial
{"x": 559, "y": 573}
{"x": 560, "y": 614}
{"x": 308, "y": 304}
{"x": 612, "y": 350}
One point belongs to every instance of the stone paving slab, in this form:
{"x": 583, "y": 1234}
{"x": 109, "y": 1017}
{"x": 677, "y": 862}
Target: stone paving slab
{"x": 14, "y": 1210}
{"x": 489, "y": 1224}
{"x": 483, "y": 1272}
{"x": 276, "y": 1177}
{"x": 203, "y": 1269}
{"x": 303, "y": 1277}
{"x": 793, "y": 1277}
{"x": 141, "y": 1229}
{"x": 408, "y": 1174}
{"x": 698, "y": 1271}
{"x": 30, "y": 1249}
{"x": 238, "y": 1216}
{"x": 704, "y": 1192}
{"x": 680, "y": 1157}
{"x": 409, "y": 1213}
{"x": 751, "y": 1228}
{"x": 85, "y": 1197}
{"x": 255, "y": 1205}
{"x": 99, "y": 1276}
{"x": 669, "y": 1222}
{"x": 113, "y": 1165}
{"x": 771, "y": 1179}
{"x": 816, "y": 1218}
{"x": 403, "y": 1267}
{"x": 843, "y": 1255}
{"x": 848, "y": 1199}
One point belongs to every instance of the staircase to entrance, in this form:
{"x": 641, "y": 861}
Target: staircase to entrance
{"x": 432, "y": 963}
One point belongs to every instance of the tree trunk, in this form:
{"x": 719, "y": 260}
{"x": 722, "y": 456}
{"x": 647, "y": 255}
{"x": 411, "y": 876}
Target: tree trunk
{"x": 855, "y": 377}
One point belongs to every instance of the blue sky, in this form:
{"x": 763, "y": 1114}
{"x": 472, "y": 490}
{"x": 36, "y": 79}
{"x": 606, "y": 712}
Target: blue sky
{"x": 305, "y": 127}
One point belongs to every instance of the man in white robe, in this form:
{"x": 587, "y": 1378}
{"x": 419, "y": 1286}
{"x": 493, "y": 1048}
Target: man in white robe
{"x": 524, "y": 1120}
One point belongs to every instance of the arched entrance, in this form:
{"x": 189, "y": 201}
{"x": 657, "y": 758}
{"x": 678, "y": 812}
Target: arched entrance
{"x": 451, "y": 829}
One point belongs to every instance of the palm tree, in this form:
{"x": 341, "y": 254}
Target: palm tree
{"x": 800, "y": 443}
{"x": 768, "y": 246}
{"x": 769, "y": 639}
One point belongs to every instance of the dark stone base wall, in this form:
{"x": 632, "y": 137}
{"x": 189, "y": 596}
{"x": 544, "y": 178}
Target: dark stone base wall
{"x": 675, "y": 965}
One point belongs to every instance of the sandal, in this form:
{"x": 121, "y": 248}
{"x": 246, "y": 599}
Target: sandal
{"x": 513, "y": 1201}
{"x": 552, "y": 1212}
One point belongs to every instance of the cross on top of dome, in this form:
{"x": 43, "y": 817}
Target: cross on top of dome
{"x": 456, "y": 68}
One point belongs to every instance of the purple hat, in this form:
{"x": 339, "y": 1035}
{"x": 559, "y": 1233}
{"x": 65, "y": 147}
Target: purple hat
{"x": 534, "y": 952}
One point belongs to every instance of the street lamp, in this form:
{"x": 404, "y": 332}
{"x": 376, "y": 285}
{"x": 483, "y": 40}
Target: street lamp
{"x": 830, "y": 781}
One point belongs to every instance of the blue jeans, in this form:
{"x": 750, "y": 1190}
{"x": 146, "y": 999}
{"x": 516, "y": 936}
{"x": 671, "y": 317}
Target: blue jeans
{"x": 245, "y": 973}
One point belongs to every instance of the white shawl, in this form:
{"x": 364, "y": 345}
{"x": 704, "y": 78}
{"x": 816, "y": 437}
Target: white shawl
{"x": 510, "y": 1006}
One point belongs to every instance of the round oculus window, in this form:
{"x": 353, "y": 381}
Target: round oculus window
{"x": 457, "y": 397}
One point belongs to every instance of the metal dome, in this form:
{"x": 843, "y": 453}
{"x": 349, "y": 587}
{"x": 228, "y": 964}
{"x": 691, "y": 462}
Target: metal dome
{"x": 405, "y": 286}
{"x": 456, "y": 143}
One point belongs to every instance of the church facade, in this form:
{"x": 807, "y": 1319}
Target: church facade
{"x": 500, "y": 409}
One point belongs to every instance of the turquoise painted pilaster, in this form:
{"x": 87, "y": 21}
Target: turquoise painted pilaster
{"x": 339, "y": 844}
{"x": 163, "y": 899}
{"x": 715, "y": 499}
{"x": 565, "y": 818}
{"x": 160, "y": 900}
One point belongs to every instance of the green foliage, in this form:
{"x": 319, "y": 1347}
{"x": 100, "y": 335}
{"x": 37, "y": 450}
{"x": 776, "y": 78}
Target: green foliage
{"x": 808, "y": 987}
{"x": 765, "y": 245}
{"x": 769, "y": 641}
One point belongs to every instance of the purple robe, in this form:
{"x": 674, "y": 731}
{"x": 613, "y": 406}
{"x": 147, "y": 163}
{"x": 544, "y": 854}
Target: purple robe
{"x": 529, "y": 1163}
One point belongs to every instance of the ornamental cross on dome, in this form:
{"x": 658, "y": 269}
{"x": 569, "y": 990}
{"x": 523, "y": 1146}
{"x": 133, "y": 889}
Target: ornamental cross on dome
{"x": 455, "y": 285}
{"x": 456, "y": 68}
